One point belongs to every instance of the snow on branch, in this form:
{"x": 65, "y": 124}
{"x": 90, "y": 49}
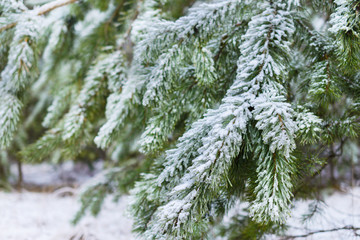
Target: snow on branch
{"x": 19, "y": 72}
{"x": 198, "y": 166}
{"x": 10, "y": 111}
{"x": 108, "y": 69}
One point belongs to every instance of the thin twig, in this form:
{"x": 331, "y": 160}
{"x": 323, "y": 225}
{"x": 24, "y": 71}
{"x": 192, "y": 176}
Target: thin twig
{"x": 355, "y": 229}
{"x": 53, "y": 5}
{"x": 113, "y": 16}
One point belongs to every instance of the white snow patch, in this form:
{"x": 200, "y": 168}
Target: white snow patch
{"x": 41, "y": 216}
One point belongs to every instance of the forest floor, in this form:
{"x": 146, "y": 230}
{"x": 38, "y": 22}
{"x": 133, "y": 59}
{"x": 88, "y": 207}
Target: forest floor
{"x": 45, "y": 212}
{"x": 44, "y": 216}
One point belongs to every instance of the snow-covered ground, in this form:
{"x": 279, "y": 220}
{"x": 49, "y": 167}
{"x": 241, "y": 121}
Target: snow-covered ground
{"x": 47, "y": 215}
{"x": 44, "y": 216}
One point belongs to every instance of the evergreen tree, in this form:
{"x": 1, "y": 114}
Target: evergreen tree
{"x": 202, "y": 103}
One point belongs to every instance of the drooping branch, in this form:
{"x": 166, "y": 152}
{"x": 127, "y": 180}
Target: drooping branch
{"x": 46, "y": 8}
